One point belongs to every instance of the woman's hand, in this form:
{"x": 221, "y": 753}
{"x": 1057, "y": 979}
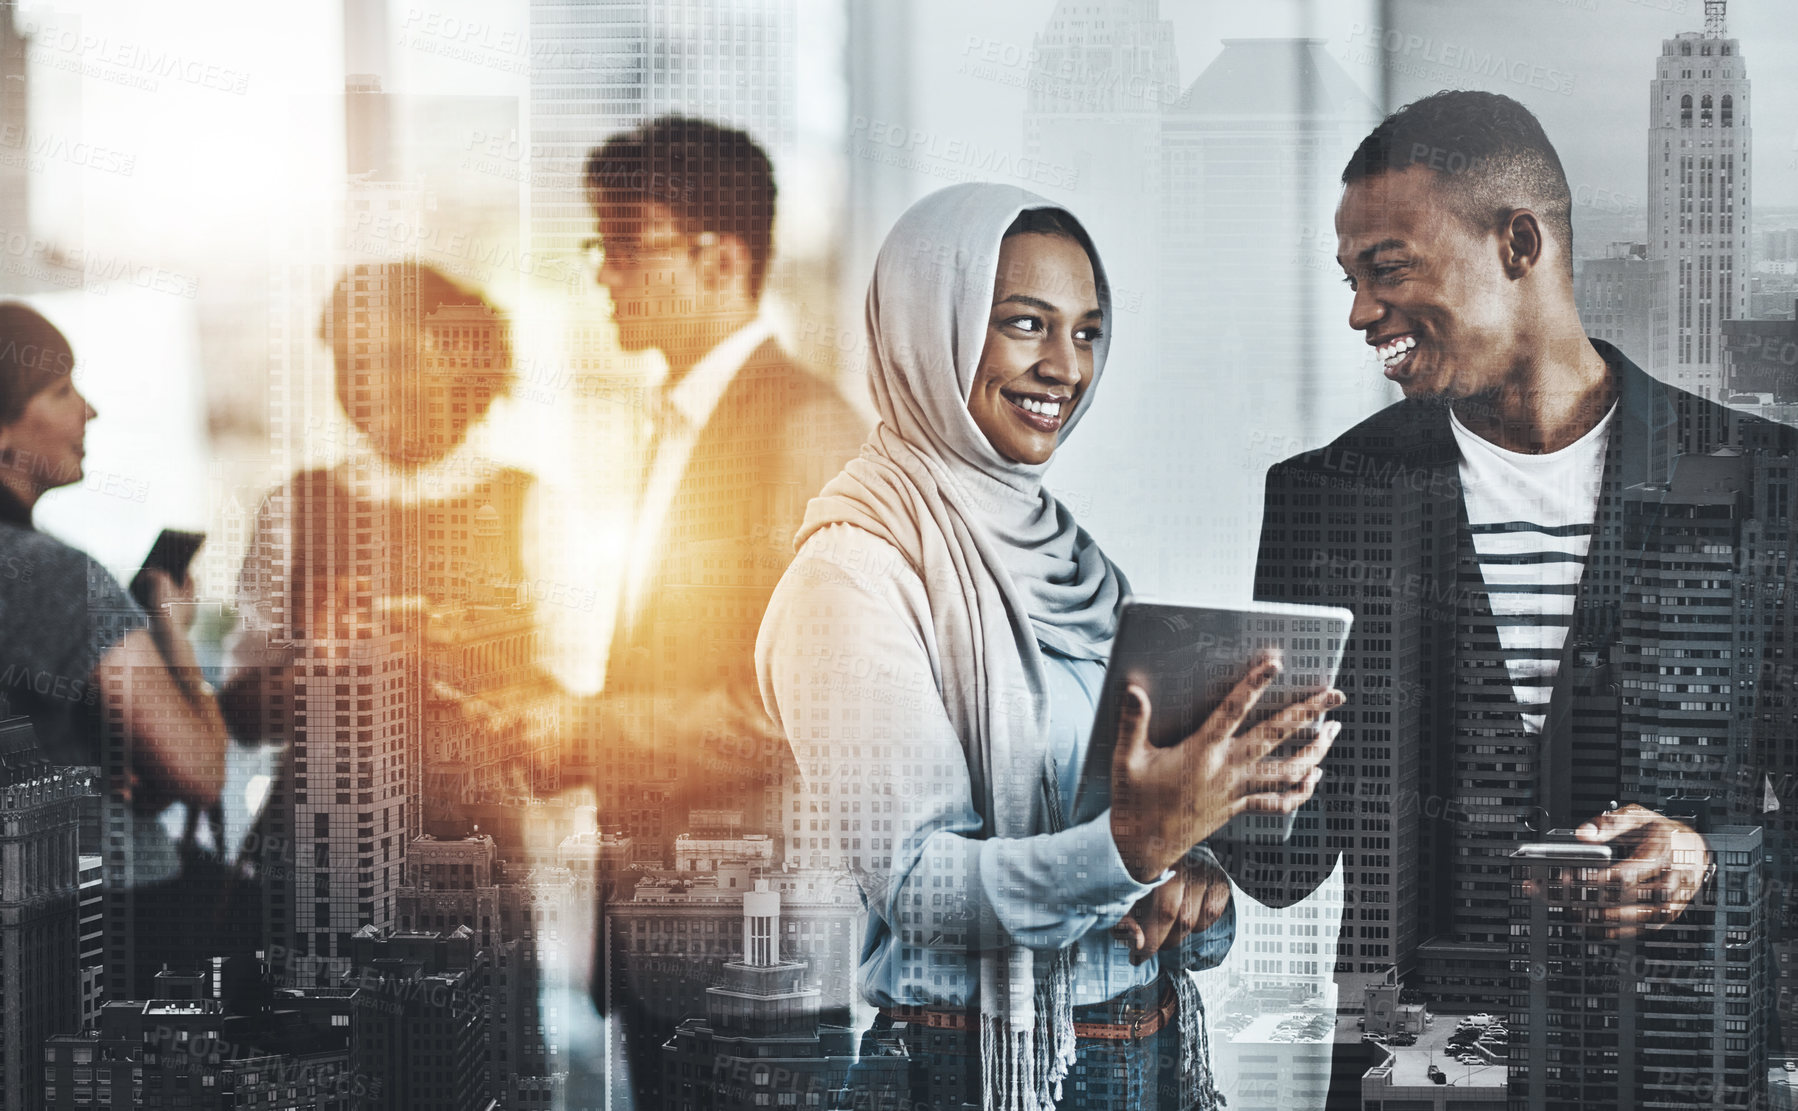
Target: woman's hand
{"x": 1166, "y": 800}
{"x": 1192, "y": 899}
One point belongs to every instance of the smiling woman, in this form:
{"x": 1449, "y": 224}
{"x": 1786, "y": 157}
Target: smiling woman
{"x": 1025, "y": 942}
{"x": 1038, "y": 359}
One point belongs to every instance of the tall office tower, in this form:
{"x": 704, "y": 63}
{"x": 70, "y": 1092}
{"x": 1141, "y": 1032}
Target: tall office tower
{"x": 590, "y": 77}
{"x": 672, "y": 937}
{"x": 1389, "y": 557}
{"x": 600, "y": 68}
{"x": 90, "y": 958}
{"x": 376, "y": 579}
{"x": 1101, "y": 77}
{"x": 1673, "y": 1018}
{"x": 1766, "y": 676}
{"x": 343, "y": 688}
{"x": 1700, "y": 194}
{"x": 342, "y": 817}
{"x": 1681, "y": 640}
{"x": 1251, "y": 154}
{"x": 763, "y": 1039}
{"x": 40, "y": 990}
{"x": 1622, "y": 300}
{"x": 15, "y": 173}
{"x": 421, "y": 1026}
{"x": 344, "y": 801}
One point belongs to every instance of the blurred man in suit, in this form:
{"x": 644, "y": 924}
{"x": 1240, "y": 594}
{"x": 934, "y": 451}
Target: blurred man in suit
{"x": 740, "y": 438}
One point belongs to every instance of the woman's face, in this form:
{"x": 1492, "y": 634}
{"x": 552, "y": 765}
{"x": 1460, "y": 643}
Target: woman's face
{"x": 410, "y": 411}
{"x": 46, "y": 442}
{"x": 1038, "y": 358}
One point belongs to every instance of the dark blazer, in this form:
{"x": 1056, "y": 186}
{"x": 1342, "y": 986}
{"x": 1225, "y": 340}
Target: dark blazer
{"x": 1372, "y": 522}
{"x": 680, "y": 725}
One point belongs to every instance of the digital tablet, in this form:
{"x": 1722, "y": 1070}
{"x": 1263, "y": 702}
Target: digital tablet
{"x": 1564, "y": 852}
{"x": 1188, "y": 658}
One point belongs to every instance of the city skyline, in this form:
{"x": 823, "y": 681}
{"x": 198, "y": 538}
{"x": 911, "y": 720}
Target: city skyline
{"x": 1204, "y": 143}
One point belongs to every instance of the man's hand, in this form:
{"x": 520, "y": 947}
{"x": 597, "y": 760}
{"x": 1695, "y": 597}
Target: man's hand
{"x": 1667, "y": 865}
{"x": 1192, "y": 899}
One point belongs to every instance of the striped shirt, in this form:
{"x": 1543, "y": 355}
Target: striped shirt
{"x": 1531, "y": 517}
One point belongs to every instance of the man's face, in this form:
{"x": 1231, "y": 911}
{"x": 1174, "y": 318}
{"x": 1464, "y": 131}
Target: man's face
{"x": 1431, "y": 294}
{"x": 649, "y": 270}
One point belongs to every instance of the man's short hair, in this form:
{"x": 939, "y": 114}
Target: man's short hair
{"x": 712, "y": 178}
{"x": 1489, "y": 155}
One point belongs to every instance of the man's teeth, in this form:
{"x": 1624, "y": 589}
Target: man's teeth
{"x": 1041, "y": 408}
{"x": 1391, "y": 352}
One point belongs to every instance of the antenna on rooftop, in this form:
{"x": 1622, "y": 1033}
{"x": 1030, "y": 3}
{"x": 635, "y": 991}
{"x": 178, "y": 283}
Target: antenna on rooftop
{"x": 1713, "y": 18}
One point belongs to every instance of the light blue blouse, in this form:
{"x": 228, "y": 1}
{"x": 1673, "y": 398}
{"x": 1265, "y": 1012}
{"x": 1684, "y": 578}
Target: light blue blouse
{"x": 848, "y": 665}
{"x": 1041, "y": 890}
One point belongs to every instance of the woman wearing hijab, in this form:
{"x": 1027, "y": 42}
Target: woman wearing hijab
{"x": 934, "y": 656}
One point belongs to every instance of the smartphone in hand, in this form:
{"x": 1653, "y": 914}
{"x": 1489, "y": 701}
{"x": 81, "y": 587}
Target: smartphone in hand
{"x": 172, "y": 554}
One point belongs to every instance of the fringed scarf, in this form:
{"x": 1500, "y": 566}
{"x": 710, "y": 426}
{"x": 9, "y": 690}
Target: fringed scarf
{"x": 1005, "y": 565}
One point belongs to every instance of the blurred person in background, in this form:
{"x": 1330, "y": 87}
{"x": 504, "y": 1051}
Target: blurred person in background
{"x": 740, "y": 437}
{"x": 71, "y": 636}
{"x": 417, "y": 531}
{"x": 104, "y": 684}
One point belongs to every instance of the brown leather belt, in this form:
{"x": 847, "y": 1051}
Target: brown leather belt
{"x": 1148, "y": 1024}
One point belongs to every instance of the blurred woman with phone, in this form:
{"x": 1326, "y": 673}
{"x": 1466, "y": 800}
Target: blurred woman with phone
{"x": 76, "y": 650}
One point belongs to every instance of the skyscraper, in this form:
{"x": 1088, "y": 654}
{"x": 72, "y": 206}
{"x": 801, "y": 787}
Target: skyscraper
{"x": 1103, "y": 80}
{"x": 40, "y": 992}
{"x": 1250, "y": 153}
{"x": 1699, "y": 193}
{"x": 15, "y": 175}
{"x": 601, "y": 68}
{"x": 1622, "y": 299}
{"x": 91, "y": 958}
{"x": 764, "y": 1035}
{"x": 1672, "y": 1018}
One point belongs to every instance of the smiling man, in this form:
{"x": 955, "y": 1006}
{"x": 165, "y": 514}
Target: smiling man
{"x": 1491, "y": 532}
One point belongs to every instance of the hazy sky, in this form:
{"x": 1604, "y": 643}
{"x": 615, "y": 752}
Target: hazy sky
{"x": 1608, "y": 49}
{"x": 1590, "y": 63}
